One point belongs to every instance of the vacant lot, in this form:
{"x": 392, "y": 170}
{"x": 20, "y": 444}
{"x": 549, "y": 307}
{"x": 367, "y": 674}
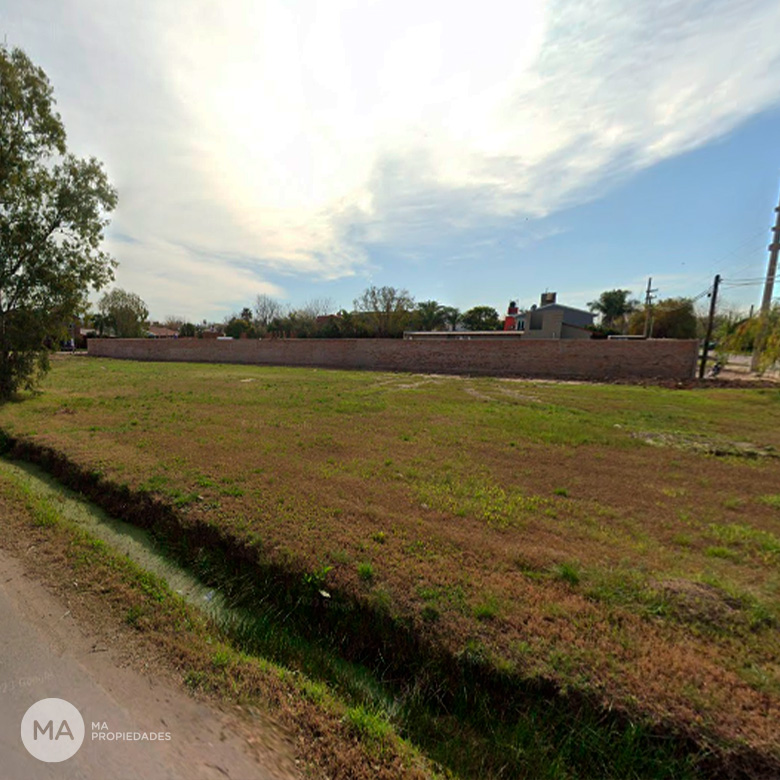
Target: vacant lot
{"x": 619, "y": 541}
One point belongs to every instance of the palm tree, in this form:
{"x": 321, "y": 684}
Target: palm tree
{"x": 429, "y": 315}
{"x": 451, "y": 316}
{"x": 614, "y": 306}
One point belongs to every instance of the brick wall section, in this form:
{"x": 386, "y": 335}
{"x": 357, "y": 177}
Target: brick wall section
{"x": 554, "y": 358}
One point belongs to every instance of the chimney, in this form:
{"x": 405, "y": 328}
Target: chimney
{"x": 548, "y": 298}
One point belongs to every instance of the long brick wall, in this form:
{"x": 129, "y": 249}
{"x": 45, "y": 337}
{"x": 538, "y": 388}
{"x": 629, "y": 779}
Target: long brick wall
{"x": 563, "y": 359}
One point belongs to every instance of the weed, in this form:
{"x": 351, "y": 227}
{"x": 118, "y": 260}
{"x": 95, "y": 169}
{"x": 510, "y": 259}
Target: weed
{"x": 567, "y": 572}
{"x": 133, "y": 615}
{"x": 561, "y": 492}
{"x": 370, "y": 726}
{"x": 316, "y": 579}
{"x": 487, "y": 608}
{"x": 722, "y": 552}
{"x": 194, "y": 679}
{"x": 365, "y": 571}
{"x": 340, "y": 556}
{"x": 772, "y": 500}
{"x": 221, "y": 659}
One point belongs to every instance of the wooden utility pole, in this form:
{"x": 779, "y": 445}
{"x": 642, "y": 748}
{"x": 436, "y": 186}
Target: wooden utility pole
{"x": 648, "y": 310}
{"x": 710, "y": 322}
{"x": 766, "y": 301}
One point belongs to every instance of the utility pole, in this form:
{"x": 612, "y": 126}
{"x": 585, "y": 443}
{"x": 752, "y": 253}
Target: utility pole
{"x": 710, "y": 322}
{"x": 648, "y": 311}
{"x": 766, "y": 301}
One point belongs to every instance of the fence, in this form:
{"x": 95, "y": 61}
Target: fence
{"x": 553, "y": 358}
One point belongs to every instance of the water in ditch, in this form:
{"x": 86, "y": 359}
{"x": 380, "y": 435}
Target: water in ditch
{"x": 126, "y": 539}
{"x": 261, "y": 629}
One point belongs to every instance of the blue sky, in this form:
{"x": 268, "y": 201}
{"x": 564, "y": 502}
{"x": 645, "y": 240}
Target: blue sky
{"x": 469, "y": 153}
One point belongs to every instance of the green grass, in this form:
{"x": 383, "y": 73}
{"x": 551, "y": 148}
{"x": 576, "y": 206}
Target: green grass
{"x": 568, "y": 572}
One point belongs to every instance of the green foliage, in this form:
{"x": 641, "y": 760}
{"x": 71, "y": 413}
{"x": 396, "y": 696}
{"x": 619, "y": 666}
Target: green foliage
{"x": 52, "y": 207}
{"x": 743, "y": 335}
{"x": 452, "y": 317}
{"x": 672, "y": 318}
{"x": 316, "y": 579}
{"x": 613, "y": 306}
{"x": 239, "y": 326}
{"x": 481, "y": 318}
{"x": 487, "y": 608}
{"x": 429, "y": 315}
{"x": 568, "y": 572}
{"x": 765, "y": 331}
{"x": 368, "y": 725}
{"x": 124, "y": 312}
{"x": 772, "y": 499}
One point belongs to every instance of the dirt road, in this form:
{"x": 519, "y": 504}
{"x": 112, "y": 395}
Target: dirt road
{"x": 44, "y": 654}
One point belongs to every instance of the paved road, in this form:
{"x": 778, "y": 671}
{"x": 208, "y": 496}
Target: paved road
{"x": 44, "y": 654}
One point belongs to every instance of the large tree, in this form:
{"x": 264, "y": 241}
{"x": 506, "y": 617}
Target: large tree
{"x": 53, "y": 209}
{"x": 267, "y": 309}
{"x": 124, "y": 312}
{"x": 481, "y": 318}
{"x": 386, "y": 310}
{"x": 672, "y": 318}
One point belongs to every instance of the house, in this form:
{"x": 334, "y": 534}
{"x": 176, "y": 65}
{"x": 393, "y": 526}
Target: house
{"x": 461, "y": 335}
{"x": 160, "y": 332}
{"x": 549, "y": 320}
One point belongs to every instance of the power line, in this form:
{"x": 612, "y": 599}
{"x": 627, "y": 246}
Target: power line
{"x": 750, "y": 279}
{"x": 723, "y": 259}
{"x": 753, "y": 283}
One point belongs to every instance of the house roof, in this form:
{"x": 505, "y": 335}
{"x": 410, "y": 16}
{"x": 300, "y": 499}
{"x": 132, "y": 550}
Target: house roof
{"x": 550, "y": 306}
{"x": 161, "y": 332}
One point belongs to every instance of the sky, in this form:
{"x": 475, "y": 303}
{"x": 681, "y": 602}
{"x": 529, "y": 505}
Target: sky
{"x": 471, "y": 153}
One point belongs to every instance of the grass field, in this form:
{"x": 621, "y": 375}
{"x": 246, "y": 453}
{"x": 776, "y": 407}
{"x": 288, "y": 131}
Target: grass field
{"x": 620, "y": 543}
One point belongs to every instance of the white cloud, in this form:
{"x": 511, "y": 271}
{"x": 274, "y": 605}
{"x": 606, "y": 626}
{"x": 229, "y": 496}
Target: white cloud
{"x": 290, "y": 137}
{"x": 177, "y": 280}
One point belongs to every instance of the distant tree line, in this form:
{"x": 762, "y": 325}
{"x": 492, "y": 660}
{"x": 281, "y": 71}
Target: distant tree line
{"x": 379, "y": 312}
{"x": 386, "y": 312}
